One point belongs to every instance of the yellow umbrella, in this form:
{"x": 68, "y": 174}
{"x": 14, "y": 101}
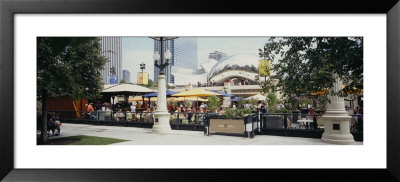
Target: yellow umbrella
{"x": 186, "y": 98}
{"x": 195, "y": 92}
{"x": 140, "y": 98}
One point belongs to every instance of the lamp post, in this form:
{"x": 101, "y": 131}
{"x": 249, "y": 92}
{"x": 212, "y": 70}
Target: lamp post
{"x": 162, "y": 115}
{"x": 336, "y": 119}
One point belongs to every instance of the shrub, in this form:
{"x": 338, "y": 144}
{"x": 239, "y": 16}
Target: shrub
{"x": 235, "y": 113}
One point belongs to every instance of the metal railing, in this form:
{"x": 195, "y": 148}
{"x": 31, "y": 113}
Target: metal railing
{"x": 196, "y": 118}
{"x": 303, "y": 121}
{"x": 287, "y": 121}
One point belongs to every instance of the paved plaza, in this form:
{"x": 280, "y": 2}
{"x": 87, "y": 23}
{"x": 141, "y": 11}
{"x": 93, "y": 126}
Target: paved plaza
{"x": 145, "y": 136}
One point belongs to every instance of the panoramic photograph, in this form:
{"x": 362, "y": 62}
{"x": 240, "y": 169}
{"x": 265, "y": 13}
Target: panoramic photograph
{"x": 199, "y": 90}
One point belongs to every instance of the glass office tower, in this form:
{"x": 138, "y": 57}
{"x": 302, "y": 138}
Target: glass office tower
{"x": 184, "y": 55}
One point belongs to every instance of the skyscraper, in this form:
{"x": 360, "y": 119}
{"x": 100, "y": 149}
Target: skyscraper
{"x": 184, "y": 55}
{"x": 126, "y": 76}
{"x": 216, "y": 55}
{"x": 111, "y": 48}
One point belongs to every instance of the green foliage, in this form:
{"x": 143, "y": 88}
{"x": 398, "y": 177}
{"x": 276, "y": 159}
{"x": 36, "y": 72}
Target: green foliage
{"x": 283, "y": 110}
{"x": 305, "y": 65}
{"x": 122, "y": 81}
{"x": 236, "y": 113}
{"x": 322, "y": 102}
{"x": 169, "y": 86}
{"x": 151, "y": 83}
{"x": 272, "y": 102}
{"x": 240, "y": 103}
{"x": 213, "y": 103}
{"x": 69, "y": 66}
{"x": 84, "y": 140}
{"x": 253, "y": 103}
{"x": 305, "y": 102}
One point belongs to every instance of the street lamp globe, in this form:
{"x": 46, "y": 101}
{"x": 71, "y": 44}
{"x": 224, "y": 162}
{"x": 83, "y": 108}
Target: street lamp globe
{"x": 156, "y": 56}
{"x": 168, "y": 54}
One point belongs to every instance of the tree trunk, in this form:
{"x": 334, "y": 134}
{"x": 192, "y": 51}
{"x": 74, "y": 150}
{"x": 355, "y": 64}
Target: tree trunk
{"x": 44, "y": 121}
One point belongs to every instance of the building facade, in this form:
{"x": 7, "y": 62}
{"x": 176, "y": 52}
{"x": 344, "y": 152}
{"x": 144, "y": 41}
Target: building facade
{"x": 217, "y": 55}
{"x": 126, "y": 75}
{"x": 184, "y": 55}
{"x": 111, "y": 48}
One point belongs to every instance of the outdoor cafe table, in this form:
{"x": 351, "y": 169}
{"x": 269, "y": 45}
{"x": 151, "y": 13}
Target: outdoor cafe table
{"x": 306, "y": 122}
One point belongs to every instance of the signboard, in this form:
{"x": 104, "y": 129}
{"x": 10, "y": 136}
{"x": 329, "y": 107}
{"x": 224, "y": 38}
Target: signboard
{"x": 264, "y": 67}
{"x": 235, "y": 126}
{"x": 113, "y": 79}
{"x": 142, "y": 78}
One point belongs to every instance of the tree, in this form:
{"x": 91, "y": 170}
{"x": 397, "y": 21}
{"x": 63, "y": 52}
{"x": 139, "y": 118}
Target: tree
{"x": 151, "y": 83}
{"x": 67, "y": 66}
{"x": 305, "y": 65}
{"x": 213, "y": 103}
{"x": 272, "y": 103}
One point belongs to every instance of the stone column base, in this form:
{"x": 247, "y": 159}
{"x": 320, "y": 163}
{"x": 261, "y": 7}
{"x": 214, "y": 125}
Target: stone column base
{"x": 337, "y": 130}
{"x": 162, "y": 126}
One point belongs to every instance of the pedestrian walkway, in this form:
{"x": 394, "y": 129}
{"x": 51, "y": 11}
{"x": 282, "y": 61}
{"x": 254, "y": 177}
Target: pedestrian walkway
{"x": 144, "y": 136}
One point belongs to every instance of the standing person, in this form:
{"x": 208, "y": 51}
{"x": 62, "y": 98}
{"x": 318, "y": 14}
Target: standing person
{"x": 247, "y": 105}
{"x": 202, "y": 106}
{"x": 234, "y": 106}
{"x": 170, "y": 106}
{"x": 264, "y": 110}
{"x": 58, "y": 125}
{"x": 133, "y": 108}
{"x": 89, "y": 110}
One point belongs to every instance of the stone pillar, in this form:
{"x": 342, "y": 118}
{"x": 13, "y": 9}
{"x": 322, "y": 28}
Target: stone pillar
{"x": 336, "y": 119}
{"x": 162, "y": 126}
{"x": 227, "y": 100}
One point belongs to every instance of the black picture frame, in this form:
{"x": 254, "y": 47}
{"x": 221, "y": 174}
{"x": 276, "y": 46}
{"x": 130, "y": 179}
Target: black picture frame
{"x": 8, "y": 8}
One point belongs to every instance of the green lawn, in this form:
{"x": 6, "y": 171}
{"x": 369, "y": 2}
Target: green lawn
{"x": 84, "y": 140}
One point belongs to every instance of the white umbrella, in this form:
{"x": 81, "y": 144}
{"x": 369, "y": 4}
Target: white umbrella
{"x": 258, "y": 97}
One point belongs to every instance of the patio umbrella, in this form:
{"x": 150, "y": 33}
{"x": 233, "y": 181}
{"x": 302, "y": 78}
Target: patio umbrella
{"x": 195, "y": 92}
{"x": 140, "y": 98}
{"x": 235, "y": 99}
{"x": 154, "y": 94}
{"x": 222, "y": 93}
{"x": 258, "y": 97}
{"x": 186, "y": 98}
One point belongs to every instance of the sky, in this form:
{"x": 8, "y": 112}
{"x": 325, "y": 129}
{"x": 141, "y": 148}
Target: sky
{"x": 136, "y": 50}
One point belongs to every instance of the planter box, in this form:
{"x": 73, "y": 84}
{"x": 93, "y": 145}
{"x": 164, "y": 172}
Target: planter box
{"x": 231, "y": 126}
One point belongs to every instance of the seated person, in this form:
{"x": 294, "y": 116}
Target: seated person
{"x": 51, "y": 126}
{"x": 54, "y": 124}
{"x": 120, "y": 115}
{"x": 221, "y": 111}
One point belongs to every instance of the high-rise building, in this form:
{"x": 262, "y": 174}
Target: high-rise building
{"x": 111, "y": 48}
{"x": 217, "y": 55}
{"x": 184, "y": 55}
{"x": 126, "y": 76}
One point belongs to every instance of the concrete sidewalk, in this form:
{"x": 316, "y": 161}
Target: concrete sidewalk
{"x": 144, "y": 136}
